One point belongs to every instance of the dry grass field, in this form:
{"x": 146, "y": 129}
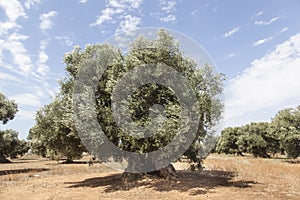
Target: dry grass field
{"x": 224, "y": 177}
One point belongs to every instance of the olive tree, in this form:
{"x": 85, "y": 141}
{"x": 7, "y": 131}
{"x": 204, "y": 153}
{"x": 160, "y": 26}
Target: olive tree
{"x": 10, "y": 145}
{"x": 205, "y": 82}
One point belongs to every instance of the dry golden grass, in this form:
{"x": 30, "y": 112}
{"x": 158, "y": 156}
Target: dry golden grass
{"x": 276, "y": 176}
{"x": 224, "y": 177}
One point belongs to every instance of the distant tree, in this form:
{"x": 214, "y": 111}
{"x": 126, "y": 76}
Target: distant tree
{"x": 227, "y": 142}
{"x": 286, "y": 125}
{"x": 261, "y": 139}
{"x": 11, "y": 146}
{"x": 253, "y": 140}
{"x": 8, "y": 109}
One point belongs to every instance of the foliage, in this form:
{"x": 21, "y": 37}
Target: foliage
{"x": 164, "y": 51}
{"x": 10, "y": 145}
{"x": 8, "y": 109}
{"x": 261, "y": 139}
{"x": 286, "y": 125}
{"x": 54, "y": 134}
{"x": 55, "y": 122}
{"x": 227, "y": 143}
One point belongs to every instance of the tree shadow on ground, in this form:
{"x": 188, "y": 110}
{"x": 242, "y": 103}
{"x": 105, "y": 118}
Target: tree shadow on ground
{"x": 292, "y": 161}
{"x": 192, "y": 182}
{"x": 19, "y": 171}
{"x": 80, "y": 162}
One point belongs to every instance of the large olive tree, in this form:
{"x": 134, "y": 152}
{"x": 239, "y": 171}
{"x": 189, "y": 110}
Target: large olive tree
{"x": 206, "y": 84}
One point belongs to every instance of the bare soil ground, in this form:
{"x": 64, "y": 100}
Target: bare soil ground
{"x": 224, "y": 177}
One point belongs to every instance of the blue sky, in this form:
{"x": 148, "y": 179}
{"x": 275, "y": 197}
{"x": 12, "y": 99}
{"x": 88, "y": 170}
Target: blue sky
{"x": 255, "y": 43}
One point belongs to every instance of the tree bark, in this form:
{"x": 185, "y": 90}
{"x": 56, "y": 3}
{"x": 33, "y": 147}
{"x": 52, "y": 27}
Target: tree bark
{"x": 168, "y": 173}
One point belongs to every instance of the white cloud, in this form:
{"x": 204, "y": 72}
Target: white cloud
{"x": 231, "y": 32}
{"x": 124, "y": 11}
{"x": 42, "y": 67}
{"x": 284, "y": 29}
{"x": 29, "y": 3}
{"x": 266, "y": 22}
{"x": 261, "y": 41}
{"x": 46, "y": 20}
{"x": 25, "y": 114}
{"x": 269, "y": 84}
{"x": 107, "y": 16}
{"x": 65, "y": 40}
{"x": 13, "y": 10}
{"x": 257, "y": 15}
{"x": 19, "y": 53}
{"x": 83, "y": 1}
{"x": 129, "y": 24}
{"x": 231, "y": 55}
{"x": 28, "y": 99}
{"x": 168, "y": 18}
{"x": 194, "y": 12}
{"x": 169, "y": 7}
{"x": 4, "y": 78}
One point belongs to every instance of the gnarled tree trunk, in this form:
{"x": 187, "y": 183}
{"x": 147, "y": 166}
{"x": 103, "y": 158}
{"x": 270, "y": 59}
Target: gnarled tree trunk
{"x": 167, "y": 173}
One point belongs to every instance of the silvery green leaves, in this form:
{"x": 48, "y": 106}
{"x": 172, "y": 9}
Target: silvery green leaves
{"x": 8, "y": 109}
{"x": 142, "y": 107}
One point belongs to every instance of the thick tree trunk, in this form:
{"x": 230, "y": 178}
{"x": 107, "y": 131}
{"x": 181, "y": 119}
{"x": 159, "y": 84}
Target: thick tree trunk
{"x": 167, "y": 173}
{"x": 4, "y": 160}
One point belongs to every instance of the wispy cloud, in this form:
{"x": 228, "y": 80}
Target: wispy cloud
{"x": 65, "y": 40}
{"x": 24, "y": 114}
{"x": 266, "y": 22}
{"x": 128, "y": 24}
{"x": 169, "y": 6}
{"x": 194, "y": 12}
{"x": 5, "y": 78}
{"x": 215, "y": 9}
{"x": 21, "y": 59}
{"x": 261, "y": 41}
{"x": 107, "y": 15}
{"x": 29, "y": 3}
{"x": 284, "y": 29}
{"x": 168, "y": 18}
{"x": 13, "y": 10}
{"x": 28, "y": 99}
{"x": 231, "y": 32}
{"x": 46, "y": 20}
{"x": 271, "y": 82}
{"x": 257, "y": 15}
{"x": 115, "y": 9}
{"x": 83, "y": 1}
{"x": 125, "y": 11}
{"x": 42, "y": 67}
{"x": 231, "y": 55}
{"x": 168, "y": 10}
